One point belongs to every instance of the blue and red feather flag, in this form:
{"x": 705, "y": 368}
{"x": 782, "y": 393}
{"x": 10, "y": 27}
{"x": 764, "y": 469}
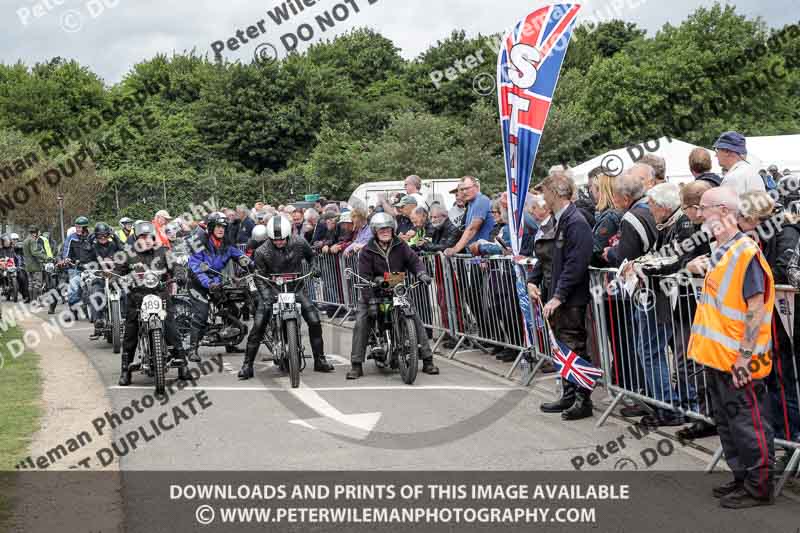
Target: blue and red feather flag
{"x": 571, "y": 366}
{"x": 528, "y": 66}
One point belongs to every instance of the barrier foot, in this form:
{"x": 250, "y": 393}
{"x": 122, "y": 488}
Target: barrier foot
{"x": 458, "y": 345}
{"x": 793, "y": 463}
{"x": 344, "y": 318}
{"x": 714, "y": 460}
{"x": 608, "y": 410}
{"x": 534, "y": 371}
{"x": 514, "y": 366}
{"x": 438, "y": 342}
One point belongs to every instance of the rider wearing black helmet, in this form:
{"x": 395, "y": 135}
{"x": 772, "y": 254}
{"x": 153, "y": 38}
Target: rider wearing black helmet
{"x": 282, "y": 254}
{"x": 144, "y": 256}
{"x": 75, "y": 247}
{"x": 385, "y": 252}
{"x": 103, "y": 246}
{"x": 215, "y": 249}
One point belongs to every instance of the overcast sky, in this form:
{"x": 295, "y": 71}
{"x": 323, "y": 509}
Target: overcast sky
{"x": 110, "y": 36}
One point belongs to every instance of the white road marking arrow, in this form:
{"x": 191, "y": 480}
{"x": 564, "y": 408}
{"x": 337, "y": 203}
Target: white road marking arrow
{"x": 334, "y": 421}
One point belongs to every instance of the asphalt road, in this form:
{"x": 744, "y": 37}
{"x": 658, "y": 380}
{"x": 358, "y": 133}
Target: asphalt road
{"x": 463, "y": 419}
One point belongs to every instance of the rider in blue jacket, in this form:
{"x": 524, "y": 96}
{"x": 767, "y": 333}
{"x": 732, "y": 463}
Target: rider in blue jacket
{"x": 215, "y": 249}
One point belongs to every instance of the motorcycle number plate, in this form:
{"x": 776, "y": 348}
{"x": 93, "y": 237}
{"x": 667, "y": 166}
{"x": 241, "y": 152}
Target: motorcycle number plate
{"x": 151, "y": 304}
{"x": 286, "y": 298}
{"x": 397, "y": 301}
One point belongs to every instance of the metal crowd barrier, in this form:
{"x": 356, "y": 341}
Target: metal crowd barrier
{"x": 643, "y": 333}
{"x": 472, "y": 301}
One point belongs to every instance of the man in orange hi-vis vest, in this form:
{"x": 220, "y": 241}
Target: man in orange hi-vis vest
{"x": 731, "y": 336}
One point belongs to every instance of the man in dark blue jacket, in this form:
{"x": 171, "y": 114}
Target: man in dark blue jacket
{"x": 566, "y": 310}
{"x": 216, "y": 250}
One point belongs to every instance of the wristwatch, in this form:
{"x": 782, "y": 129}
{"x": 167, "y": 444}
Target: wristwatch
{"x": 747, "y": 354}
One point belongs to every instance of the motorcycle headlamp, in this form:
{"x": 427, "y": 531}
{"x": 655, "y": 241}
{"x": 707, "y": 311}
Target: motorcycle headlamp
{"x": 150, "y": 280}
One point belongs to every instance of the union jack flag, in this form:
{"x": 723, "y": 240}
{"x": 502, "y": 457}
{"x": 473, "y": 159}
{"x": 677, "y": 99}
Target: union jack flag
{"x": 571, "y": 366}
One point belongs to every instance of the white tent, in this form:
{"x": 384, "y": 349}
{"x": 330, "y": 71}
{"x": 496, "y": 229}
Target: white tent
{"x": 674, "y": 151}
{"x": 780, "y": 150}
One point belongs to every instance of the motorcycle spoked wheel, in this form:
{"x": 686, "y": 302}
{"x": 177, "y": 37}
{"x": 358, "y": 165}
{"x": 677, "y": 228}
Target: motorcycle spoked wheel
{"x": 159, "y": 360}
{"x": 293, "y": 352}
{"x": 116, "y": 327}
{"x": 407, "y": 349}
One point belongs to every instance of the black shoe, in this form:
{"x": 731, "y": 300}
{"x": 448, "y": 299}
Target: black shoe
{"x": 634, "y": 411}
{"x": 429, "y": 368}
{"x": 742, "y": 499}
{"x": 582, "y": 408}
{"x": 124, "y": 378}
{"x": 246, "y": 372}
{"x": 194, "y": 357}
{"x": 355, "y": 372}
{"x": 698, "y": 430}
{"x": 562, "y": 404}
{"x": 727, "y": 488}
{"x": 322, "y": 365}
{"x": 497, "y": 350}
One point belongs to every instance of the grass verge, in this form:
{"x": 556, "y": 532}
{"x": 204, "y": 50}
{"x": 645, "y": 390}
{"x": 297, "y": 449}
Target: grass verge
{"x": 20, "y": 409}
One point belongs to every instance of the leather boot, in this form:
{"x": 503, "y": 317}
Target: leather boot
{"x": 355, "y": 372}
{"x": 321, "y": 364}
{"x": 247, "y": 371}
{"x": 565, "y": 402}
{"x": 582, "y": 408}
{"x": 125, "y": 373}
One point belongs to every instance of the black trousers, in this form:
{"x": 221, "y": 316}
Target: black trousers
{"x": 745, "y": 431}
{"x": 364, "y": 325}
{"x": 569, "y": 326}
{"x": 263, "y": 315}
{"x": 131, "y": 339}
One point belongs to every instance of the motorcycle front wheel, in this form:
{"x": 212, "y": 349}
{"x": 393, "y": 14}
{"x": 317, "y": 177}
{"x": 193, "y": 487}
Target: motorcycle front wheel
{"x": 293, "y": 352}
{"x": 407, "y": 350}
{"x": 157, "y": 350}
{"x": 116, "y": 327}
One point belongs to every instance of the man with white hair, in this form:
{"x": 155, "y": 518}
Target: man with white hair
{"x": 413, "y": 186}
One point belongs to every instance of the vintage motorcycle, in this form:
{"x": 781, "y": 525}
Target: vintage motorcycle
{"x": 393, "y": 339}
{"x": 283, "y": 335}
{"x": 111, "y": 326}
{"x": 152, "y": 355}
{"x": 9, "y": 283}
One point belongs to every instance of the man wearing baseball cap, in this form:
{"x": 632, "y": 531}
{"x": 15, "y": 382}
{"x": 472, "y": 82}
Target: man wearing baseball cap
{"x": 731, "y": 150}
{"x": 160, "y": 221}
{"x": 406, "y": 206}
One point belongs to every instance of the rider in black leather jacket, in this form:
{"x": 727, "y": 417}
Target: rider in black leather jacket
{"x": 282, "y": 254}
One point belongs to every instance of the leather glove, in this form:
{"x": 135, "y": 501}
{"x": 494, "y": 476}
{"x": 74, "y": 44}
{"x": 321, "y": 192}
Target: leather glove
{"x": 316, "y": 273}
{"x": 245, "y": 261}
{"x": 215, "y": 289}
{"x": 425, "y": 278}
{"x": 372, "y": 310}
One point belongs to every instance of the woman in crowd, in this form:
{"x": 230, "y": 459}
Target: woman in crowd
{"x": 607, "y": 217}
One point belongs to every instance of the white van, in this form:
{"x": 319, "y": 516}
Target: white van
{"x": 432, "y": 190}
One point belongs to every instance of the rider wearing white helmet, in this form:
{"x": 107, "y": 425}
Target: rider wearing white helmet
{"x": 282, "y": 253}
{"x": 384, "y": 253}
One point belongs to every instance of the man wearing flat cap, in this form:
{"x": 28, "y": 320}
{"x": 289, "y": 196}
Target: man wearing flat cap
{"x": 406, "y": 206}
{"x": 731, "y": 150}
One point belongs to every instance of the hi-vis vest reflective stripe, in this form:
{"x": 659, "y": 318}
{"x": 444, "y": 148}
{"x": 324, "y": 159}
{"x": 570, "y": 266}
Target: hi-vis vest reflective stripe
{"x": 718, "y": 327}
{"x": 46, "y": 245}
{"x": 122, "y": 236}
